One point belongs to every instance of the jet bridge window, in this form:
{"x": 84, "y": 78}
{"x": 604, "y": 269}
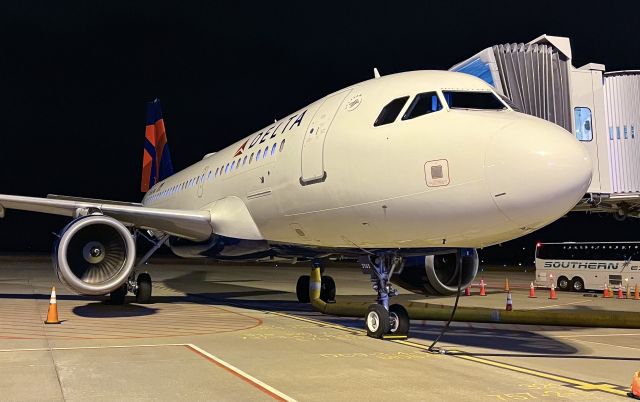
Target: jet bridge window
{"x": 473, "y": 100}
{"x": 424, "y": 103}
{"x": 390, "y": 112}
{"x": 582, "y": 117}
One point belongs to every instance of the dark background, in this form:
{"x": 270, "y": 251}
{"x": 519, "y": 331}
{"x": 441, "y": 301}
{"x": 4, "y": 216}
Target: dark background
{"x": 74, "y": 79}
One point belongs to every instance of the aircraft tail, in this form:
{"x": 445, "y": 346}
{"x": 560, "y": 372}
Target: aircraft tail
{"x": 156, "y": 160}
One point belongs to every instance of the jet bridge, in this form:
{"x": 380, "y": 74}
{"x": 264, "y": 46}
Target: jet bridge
{"x": 602, "y": 109}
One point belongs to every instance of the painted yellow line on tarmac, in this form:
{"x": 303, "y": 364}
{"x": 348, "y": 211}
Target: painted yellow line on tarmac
{"x": 578, "y": 384}
{"x": 354, "y": 331}
{"x": 571, "y": 382}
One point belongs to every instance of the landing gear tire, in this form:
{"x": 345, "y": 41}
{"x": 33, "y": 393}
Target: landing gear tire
{"x": 377, "y": 321}
{"x": 399, "y": 324}
{"x": 302, "y": 289}
{"x": 577, "y": 285}
{"x": 117, "y": 296}
{"x": 563, "y": 283}
{"x": 328, "y": 289}
{"x": 143, "y": 292}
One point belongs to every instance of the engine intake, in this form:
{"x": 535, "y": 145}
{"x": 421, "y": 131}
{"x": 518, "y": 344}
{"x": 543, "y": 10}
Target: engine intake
{"x": 94, "y": 255}
{"x": 437, "y": 275}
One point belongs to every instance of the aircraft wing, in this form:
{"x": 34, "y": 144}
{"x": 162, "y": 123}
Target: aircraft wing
{"x": 193, "y": 225}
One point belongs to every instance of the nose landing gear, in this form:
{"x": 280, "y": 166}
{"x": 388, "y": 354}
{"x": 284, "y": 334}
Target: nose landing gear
{"x": 383, "y": 320}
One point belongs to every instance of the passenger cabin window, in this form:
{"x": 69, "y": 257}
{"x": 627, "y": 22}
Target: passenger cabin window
{"x": 390, "y": 112}
{"x": 584, "y": 131}
{"x": 473, "y": 100}
{"x": 424, "y": 103}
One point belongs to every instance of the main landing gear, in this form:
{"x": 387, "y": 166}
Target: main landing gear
{"x": 384, "y": 320}
{"x": 139, "y": 285}
{"x": 327, "y": 289}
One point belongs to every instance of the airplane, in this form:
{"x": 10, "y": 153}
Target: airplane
{"x": 409, "y": 173}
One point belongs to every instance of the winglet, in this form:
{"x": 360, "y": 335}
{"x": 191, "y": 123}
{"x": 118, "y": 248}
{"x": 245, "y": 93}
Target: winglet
{"x": 376, "y": 73}
{"x": 156, "y": 161}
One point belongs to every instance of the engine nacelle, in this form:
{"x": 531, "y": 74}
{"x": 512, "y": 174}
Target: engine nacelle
{"x": 437, "y": 274}
{"x": 94, "y": 255}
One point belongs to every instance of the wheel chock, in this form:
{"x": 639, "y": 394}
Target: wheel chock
{"x": 393, "y": 337}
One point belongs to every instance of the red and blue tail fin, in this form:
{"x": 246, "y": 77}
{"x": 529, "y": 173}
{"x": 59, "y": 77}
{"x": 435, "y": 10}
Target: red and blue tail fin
{"x": 156, "y": 161}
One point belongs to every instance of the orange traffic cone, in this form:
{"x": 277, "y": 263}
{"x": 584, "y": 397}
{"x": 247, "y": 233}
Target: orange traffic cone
{"x": 636, "y": 294}
{"x": 52, "y": 314}
{"x": 532, "y": 291}
{"x": 620, "y": 295}
{"x": 552, "y": 292}
{"x": 628, "y": 295}
{"x": 635, "y": 386}
{"x": 482, "y": 291}
{"x": 467, "y": 291}
{"x": 509, "y": 302}
{"x": 606, "y": 294}
{"x": 506, "y": 285}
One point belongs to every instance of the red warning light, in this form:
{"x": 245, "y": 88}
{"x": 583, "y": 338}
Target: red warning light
{"x": 538, "y": 244}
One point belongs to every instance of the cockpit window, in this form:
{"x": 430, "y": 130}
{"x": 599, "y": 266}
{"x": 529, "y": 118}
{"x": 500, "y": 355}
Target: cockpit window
{"x": 424, "y": 103}
{"x": 390, "y": 112}
{"x": 472, "y": 100}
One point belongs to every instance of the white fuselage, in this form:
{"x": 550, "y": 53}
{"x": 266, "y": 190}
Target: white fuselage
{"x": 452, "y": 178}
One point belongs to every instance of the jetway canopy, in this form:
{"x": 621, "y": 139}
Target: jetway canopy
{"x": 533, "y": 76}
{"x": 601, "y": 109}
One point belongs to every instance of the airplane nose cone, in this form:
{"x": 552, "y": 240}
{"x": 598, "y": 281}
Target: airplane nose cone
{"x": 536, "y": 172}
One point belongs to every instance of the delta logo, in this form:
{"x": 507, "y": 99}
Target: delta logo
{"x": 272, "y": 131}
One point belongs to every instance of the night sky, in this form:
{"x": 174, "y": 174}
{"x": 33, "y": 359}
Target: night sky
{"x": 74, "y": 79}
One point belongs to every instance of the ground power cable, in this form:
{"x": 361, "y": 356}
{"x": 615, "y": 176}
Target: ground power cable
{"x": 433, "y": 348}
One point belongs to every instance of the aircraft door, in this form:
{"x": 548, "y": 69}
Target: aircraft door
{"x": 313, "y": 144}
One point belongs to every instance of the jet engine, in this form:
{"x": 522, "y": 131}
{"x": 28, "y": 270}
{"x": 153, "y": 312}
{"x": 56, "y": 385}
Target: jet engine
{"x": 438, "y": 274}
{"x": 94, "y": 255}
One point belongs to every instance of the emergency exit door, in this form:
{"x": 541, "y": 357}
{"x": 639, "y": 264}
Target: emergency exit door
{"x": 313, "y": 170}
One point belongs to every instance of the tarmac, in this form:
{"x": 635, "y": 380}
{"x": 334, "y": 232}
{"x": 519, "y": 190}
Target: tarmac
{"x": 232, "y": 332}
